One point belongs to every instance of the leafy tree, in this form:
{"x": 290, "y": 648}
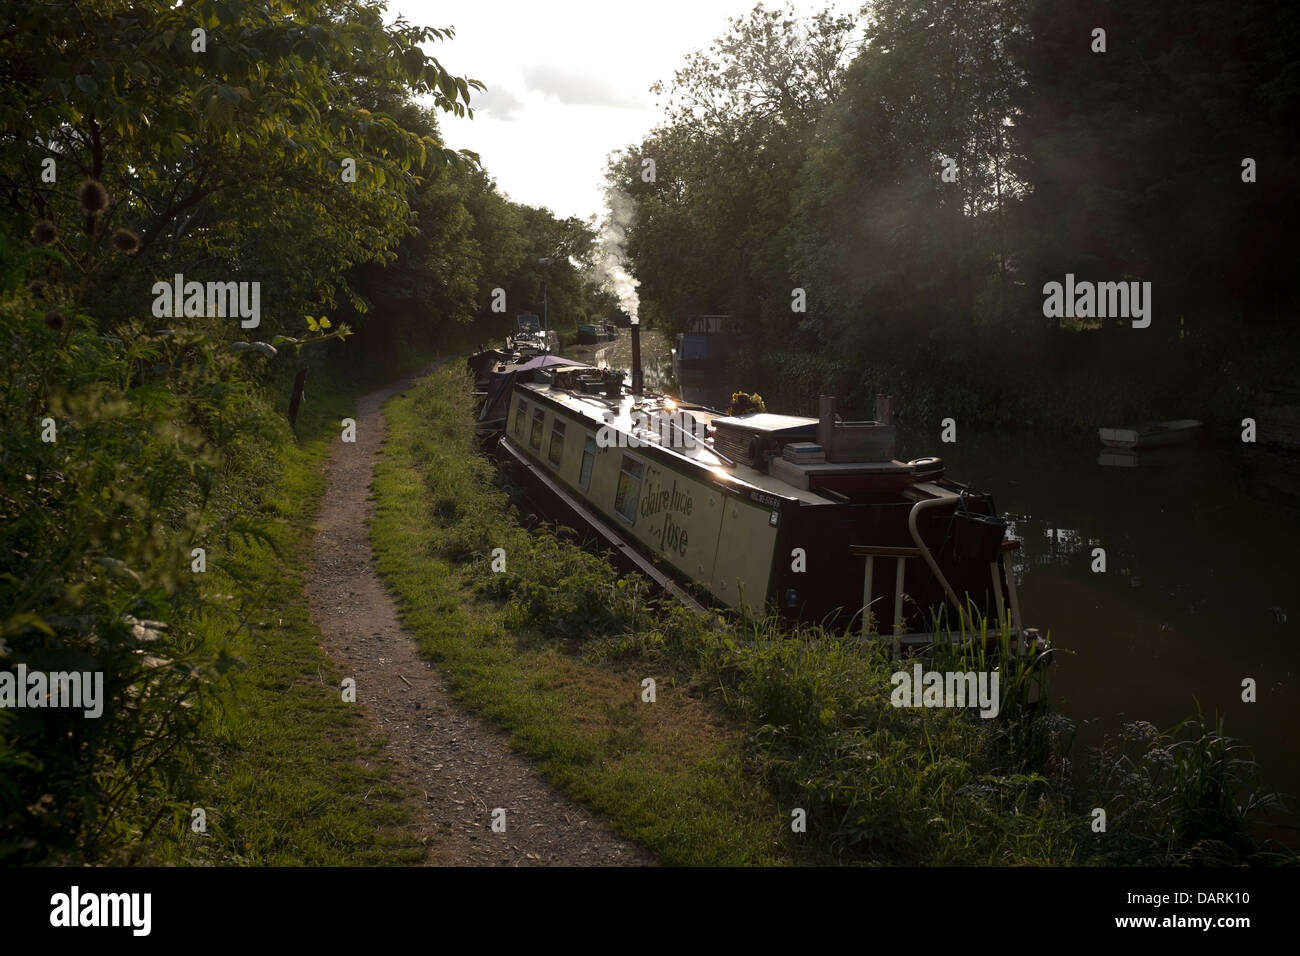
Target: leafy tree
{"x": 707, "y": 236}
{"x": 217, "y": 156}
{"x": 219, "y": 160}
{"x": 1136, "y": 154}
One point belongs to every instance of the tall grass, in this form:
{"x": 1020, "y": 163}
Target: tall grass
{"x": 550, "y": 648}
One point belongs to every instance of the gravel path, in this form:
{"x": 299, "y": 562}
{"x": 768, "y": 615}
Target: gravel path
{"x": 463, "y": 765}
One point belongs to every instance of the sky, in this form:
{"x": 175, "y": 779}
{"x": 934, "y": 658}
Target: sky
{"x": 568, "y": 82}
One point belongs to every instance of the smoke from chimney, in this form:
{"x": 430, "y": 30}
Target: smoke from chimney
{"x": 611, "y": 258}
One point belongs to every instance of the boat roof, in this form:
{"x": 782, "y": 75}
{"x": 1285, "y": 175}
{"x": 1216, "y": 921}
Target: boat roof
{"x": 618, "y": 414}
{"x": 769, "y": 423}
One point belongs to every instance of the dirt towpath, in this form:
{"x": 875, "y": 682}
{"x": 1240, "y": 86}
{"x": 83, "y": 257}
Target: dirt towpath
{"x": 464, "y": 766}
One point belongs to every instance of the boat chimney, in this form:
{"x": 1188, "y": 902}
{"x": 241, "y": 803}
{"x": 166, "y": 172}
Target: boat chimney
{"x": 826, "y": 420}
{"x": 636, "y": 356}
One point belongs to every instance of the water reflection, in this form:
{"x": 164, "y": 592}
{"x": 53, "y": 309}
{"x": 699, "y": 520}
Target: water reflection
{"x": 1198, "y": 589}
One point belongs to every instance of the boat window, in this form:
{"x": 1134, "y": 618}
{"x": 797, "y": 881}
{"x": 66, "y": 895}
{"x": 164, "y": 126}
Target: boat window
{"x": 539, "y": 420}
{"x": 629, "y": 487}
{"x": 588, "y": 459}
{"x": 521, "y": 413}
{"x": 556, "y": 450}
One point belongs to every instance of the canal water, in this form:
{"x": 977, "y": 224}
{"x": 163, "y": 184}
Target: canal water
{"x": 1199, "y": 587}
{"x": 656, "y": 357}
{"x": 1199, "y": 590}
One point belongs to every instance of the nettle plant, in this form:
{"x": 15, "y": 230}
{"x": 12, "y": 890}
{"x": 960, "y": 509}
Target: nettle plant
{"x": 121, "y": 453}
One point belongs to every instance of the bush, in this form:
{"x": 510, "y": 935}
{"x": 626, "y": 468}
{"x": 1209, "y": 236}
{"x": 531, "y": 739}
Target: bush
{"x": 151, "y": 435}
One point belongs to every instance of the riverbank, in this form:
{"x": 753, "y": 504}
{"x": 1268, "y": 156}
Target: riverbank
{"x": 750, "y": 724}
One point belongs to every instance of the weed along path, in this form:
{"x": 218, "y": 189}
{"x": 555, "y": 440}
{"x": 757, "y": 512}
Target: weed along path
{"x": 472, "y": 781}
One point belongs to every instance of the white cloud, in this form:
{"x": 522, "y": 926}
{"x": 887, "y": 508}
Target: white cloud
{"x": 577, "y": 87}
{"x": 497, "y": 102}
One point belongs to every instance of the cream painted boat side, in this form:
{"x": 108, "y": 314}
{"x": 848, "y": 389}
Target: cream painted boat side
{"x": 745, "y": 553}
{"x": 712, "y": 536}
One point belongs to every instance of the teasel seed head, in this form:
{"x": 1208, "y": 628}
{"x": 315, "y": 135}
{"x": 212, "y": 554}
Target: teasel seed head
{"x": 92, "y": 196}
{"x": 45, "y": 233}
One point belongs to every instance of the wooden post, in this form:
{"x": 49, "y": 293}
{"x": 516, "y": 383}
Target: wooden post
{"x": 997, "y": 596}
{"x": 1013, "y": 598}
{"x": 866, "y": 594}
{"x": 898, "y": 604}
{"x": 295, "y": 399}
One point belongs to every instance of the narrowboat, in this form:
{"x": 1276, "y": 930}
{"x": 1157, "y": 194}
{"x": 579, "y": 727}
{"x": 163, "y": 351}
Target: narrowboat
{"x": 811, "y": 517}
{"x": 597, "y": 333}
{"x": 530, "y": 338}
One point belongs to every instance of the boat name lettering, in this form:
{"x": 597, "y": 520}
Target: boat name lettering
{"x": 671, "y": 536}
{"x": 658, "y": 498}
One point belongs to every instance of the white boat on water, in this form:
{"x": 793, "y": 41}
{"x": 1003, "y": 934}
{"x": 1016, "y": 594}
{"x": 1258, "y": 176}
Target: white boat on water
{"x": 1151, "y": 434}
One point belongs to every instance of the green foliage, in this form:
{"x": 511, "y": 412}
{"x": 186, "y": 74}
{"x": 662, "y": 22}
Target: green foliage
{"x": 901, "y": 786}
{"x": 95, "y": 568}
{"x": 1125, "y": 184}
{"x": 792, "y": 156}
{"x": 228, "y": 161}
{"x": 745, "y": 403}
{"x": 706, "y": 234}
{"x": 1184, "y": 797}
{"x": 220, "y": 163}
